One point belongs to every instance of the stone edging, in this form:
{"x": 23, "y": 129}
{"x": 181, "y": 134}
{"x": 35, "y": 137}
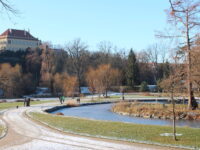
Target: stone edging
{"x": 54, "y": 108}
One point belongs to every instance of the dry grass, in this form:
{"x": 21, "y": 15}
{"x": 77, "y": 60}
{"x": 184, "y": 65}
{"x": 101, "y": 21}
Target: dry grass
{"x": 72, "y": 103}
{"x": 162, "y": 111}
{"x": 60, "y": 114}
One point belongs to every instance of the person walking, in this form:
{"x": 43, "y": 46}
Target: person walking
{"x": 28, "y": 102}
{"x": 25, "y": 101}
{"x": 63, "y": 99}
{"x": 60, "y": 99}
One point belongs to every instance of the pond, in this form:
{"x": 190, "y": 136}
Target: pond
{"x": 102, "y": 112}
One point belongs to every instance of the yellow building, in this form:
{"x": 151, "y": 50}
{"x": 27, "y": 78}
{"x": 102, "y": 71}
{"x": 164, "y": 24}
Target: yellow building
{"x": 14, "y": 40}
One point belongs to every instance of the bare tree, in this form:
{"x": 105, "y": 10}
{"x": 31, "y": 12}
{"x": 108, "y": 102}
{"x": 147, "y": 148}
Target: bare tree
{"x": 174, "y": 84}
{"x": 185, "y": 15}
{"x": 70, "y": 85}
{"x": 11, "y": 80}
{"x": 195, "y": 69}
{"x": 163, "y": 48}
{"x": 65, "y": 84}
{"x": 47, "y": 67}
{"x": 102, "y": 78}
{"x": 91, "y": 80}
{"x": 77, "y": 51}
{"x": 153, "y": 54}
{"x": 106, "y": 48}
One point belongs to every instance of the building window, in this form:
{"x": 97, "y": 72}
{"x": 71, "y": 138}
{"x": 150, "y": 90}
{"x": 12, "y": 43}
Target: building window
{"x": 9, "y": 41}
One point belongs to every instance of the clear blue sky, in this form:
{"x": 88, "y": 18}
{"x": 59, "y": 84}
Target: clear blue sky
{"x": 125, "y": 23}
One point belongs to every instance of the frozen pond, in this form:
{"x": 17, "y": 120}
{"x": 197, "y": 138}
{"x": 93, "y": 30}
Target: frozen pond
{"x": 102, "y": 112}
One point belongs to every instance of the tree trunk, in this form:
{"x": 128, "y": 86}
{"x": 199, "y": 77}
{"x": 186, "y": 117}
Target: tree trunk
{"x": 189, "y": 83}
{"x": 174, "y": 116}
{"x": 106, "y": 92}
{"x": 79, "y": 83}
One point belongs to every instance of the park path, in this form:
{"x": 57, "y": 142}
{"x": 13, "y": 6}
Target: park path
{"x": 25, "y": 134}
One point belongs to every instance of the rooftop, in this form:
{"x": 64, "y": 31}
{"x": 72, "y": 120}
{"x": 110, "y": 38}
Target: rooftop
{"x": 18, "y": 34}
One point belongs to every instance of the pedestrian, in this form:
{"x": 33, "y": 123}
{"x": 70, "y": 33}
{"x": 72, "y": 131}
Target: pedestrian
{"x": 78, "y": 100}
{"x": 60, "y": 99}
{"x": 28, "y": 100}
{"x": 25, "y": 101}
{"x": 63, "y": 99}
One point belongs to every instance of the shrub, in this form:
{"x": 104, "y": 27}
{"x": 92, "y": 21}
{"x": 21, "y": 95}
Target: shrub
{"x": 144, "y": 87}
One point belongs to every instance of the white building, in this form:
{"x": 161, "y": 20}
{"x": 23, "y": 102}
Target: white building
{"x": 14, "y": 40}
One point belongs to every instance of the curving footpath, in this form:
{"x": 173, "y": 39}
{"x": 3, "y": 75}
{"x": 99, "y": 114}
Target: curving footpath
{"x": 25, "y": 134}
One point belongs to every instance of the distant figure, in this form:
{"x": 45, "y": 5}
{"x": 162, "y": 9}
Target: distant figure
{"x": 78, "y": 100}
{"x": 194, "y": 102}
{"x": 25, "y": 101}
{"x": 60, "y": 99}
{"x": 63, "y": 99}
{"x": 28, "y": 102}
{"x": 17, "y": 107}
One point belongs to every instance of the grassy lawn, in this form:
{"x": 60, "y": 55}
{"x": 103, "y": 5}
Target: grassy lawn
{"x": 117, "y": 130}
{"x": 14, "y": 104}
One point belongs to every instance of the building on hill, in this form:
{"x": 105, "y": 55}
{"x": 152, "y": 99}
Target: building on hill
{"x": 14, "y": 40}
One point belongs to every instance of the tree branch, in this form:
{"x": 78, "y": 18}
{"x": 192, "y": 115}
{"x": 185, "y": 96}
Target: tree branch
{"x": 8, "y": 7}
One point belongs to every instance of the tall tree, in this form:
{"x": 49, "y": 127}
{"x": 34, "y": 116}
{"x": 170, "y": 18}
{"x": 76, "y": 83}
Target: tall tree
{"x": 153, "y": 55}
{"x": 11, "y": 80}
{"x": 78, "y": 52}
{"x": 47, "y": 68}
{"x": 106, "y": 48}
{"x": 195, "y": 53}
{"x": 185, "y": 15}
{"x": 65, "y": 84}
{"x": 91, "y": 80}
{"x": 103, "y": 78}
{"x": 33, "y": 63}
{"x": 132, "y": 72}
{"x": 173, "y": 85}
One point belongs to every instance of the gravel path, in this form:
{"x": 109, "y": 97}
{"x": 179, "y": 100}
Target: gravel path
{"x": 24, "y": 134}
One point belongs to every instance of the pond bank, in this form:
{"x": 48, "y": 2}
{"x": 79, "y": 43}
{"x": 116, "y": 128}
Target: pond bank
{"x": 103, "y": 112}
{"x": 156, "y": 111}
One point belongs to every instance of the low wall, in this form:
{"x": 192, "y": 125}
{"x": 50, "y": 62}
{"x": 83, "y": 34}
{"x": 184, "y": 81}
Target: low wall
{"x": 50, "y": 110}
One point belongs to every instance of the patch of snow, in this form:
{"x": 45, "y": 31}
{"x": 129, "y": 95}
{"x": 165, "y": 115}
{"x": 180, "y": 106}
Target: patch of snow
{"x": 170, "y": 134}
{"x": 85, "y": 90}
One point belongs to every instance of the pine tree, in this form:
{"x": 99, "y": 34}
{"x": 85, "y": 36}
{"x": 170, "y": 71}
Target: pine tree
{"x": 132, "y": 71}
{"x": 144, "y": 87}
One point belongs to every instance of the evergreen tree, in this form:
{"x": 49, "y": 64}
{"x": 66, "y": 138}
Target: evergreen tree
{"x": 144, "y": 87}
{"x": 163, "y": 71}
{"x": 132, "y": 71}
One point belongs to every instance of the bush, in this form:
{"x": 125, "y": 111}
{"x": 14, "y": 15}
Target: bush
{"x": 144, "y": 87}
